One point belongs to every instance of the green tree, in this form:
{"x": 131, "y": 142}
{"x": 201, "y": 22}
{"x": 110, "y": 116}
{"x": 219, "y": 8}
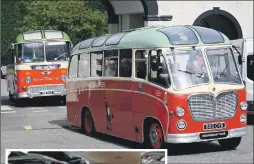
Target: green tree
{"x": 11, "y": 11}
{"x": 80, "y": 19}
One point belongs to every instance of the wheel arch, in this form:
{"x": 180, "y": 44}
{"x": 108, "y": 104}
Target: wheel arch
{"x": 146, "y": 124}
{"x": 82, "y": 113}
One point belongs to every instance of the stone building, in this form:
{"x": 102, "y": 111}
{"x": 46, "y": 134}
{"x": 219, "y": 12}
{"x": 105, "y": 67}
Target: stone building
{"x": 233, "y": 18}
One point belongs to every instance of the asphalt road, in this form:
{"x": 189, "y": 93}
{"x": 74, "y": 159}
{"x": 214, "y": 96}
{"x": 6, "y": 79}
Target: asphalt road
{"x": 42, "y": 124}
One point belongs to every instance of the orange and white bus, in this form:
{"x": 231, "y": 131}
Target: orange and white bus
{"x": 38, "y": 65}
{"x": 158, "y": 85}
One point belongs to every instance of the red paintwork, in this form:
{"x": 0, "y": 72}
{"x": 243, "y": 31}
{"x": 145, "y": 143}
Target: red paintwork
{"x": 55, "y": 75}
{"x": 130, "y": 108}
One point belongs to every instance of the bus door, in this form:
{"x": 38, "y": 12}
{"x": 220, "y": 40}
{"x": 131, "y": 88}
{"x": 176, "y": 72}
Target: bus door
{"x": 10, "y": 72}
{"x": 140, "y": 87}
{"x": 118, "y": 96}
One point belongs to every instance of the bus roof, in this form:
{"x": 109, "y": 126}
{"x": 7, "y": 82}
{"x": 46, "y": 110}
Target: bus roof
{"x": 42, "y": 36}
{"x": 154, "y": 37}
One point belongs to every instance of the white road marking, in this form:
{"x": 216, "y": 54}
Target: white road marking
{"x": 5, "y": 107}
{"x": 62, "y": 107}
{"x": 8, "y": 112}
{"x": 40, "y": 110}
{"x": 36, "y": 108}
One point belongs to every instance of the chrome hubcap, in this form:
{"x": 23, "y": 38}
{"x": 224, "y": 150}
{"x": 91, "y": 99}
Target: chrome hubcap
{"x": 153, "y": 136}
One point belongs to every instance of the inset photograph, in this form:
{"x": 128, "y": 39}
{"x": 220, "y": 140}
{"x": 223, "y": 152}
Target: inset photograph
{"x": 74, "y": 156}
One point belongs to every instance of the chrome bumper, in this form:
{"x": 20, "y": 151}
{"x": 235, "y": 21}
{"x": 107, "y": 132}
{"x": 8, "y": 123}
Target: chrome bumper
{"x": 194, "y": 137}
{"x": 27, "y": 95}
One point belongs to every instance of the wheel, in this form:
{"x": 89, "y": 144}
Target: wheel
{"x": 88, "y": 124}
{"x": 231, "y": 143}
{"x": 155, "y": 136}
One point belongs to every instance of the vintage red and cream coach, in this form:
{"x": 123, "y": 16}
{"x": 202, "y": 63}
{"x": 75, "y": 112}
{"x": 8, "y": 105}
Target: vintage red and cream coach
{"x": 158, "y": 85}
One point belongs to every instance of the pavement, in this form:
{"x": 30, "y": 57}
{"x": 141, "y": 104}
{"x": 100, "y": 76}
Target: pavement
{"x": 42, "y": 125}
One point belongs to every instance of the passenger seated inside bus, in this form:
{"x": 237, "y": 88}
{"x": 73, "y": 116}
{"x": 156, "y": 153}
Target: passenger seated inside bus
{"x": 125, "y": 68}
{"x": 159, "y": 72}
{"x": 111, "y": 68}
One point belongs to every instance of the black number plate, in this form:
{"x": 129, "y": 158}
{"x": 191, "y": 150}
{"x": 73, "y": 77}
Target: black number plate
{"x": 47, "y": 93}
{"x": 213, "y": 126}
{"x": 213, "y": 135}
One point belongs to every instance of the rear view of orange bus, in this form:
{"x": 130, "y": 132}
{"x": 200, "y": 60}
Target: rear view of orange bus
{"x": 38, "y": 65}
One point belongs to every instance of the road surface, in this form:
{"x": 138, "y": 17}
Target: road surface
{"x": 42, "y": 124}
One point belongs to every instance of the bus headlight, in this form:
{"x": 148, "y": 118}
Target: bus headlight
{"x": 243, "y": 118}
{"x": 28, "y": 79}
{"x": 63, "y": 77}
{"x": 180, "y": 111}
{"x": 244, "y": 105}
{"x": 181, "y": 125}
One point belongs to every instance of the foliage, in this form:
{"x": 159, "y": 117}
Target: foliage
{"x": 79, "y": 19}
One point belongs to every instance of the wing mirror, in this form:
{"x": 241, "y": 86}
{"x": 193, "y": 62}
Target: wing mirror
{"x": 240, "y": 60}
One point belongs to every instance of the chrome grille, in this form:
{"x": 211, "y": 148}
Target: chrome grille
{"x": 43, "y": 88}
{"x": 226, "y": 104}
{"x": 201, "y": 106}
{"x": 204, "y": 107}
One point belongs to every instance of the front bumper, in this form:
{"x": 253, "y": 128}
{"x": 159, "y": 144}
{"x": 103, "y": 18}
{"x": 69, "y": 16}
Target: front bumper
{"x": 194, "y": 137}
{"x": 43, "y": 91}
{"x": 27, "y": 95}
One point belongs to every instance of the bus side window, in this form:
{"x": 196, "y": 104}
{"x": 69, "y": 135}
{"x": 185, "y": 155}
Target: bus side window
{"x": 140, "y": 64}
{"x": 111, "y": 63}
{"x": 96, "y": 64}
{"x": 158, "y": 72}
{"x": 73, "y": 68}
{"x": 84, "y": 65}
{"x": 125, "y": 65}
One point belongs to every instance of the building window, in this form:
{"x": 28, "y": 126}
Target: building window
{"x": 141, "y": 64}
{"x": 73, "y": 68}
{"x": 96, "y": 64}
{"x": 111, "y": 63}
{"x": 84, "y": 65}
{"x": 125, "y": 65}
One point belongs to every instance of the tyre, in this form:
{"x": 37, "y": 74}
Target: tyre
{"x": 231, "y": 143}
{"x": 154, "y": 137}
{"x": 88, "y": 123}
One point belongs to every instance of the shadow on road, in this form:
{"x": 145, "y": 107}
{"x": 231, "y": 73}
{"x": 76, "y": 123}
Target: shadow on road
{"x": 193, "y": 148}
{"x": 35, "y": 102}
{"x": 173, "y": 149}
{"x": 99, "y": 136}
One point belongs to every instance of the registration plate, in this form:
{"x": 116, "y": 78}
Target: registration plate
{"x": 47, "y": 93}
{"x": 213, "y": 135}
{"x": 213, "y": 126}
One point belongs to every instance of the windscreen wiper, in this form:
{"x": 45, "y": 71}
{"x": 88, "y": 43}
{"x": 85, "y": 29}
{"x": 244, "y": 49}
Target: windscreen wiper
{"x": 60, "y": 56}
{"x": 199, "y": 75}
{"x": 222, "y": 73}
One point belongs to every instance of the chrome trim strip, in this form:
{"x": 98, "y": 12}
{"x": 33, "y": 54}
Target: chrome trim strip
{"x": 194, "y": 137}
